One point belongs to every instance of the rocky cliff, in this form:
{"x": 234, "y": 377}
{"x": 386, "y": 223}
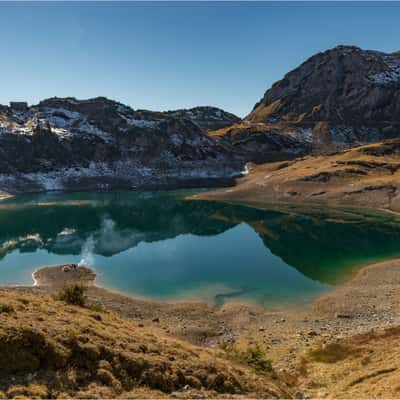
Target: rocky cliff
{"x": 337, "y": 99}
{"x": 70, "y": 144}
{"x": 342, "y": 97}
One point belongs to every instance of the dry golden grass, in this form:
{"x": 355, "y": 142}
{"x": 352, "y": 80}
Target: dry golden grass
{"x": 363, "y": 366}
{"x": 51, "y": 349}
{"x": 367, "y": 176}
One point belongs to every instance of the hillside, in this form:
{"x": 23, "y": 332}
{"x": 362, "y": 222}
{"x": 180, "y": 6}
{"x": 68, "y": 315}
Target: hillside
{"x": 340, "y": 98}
{"x": 54, "y": 350}
{"x": 70, "y": 144}
{"x": 116, "y": 346}
{"x": 365, "y": 176}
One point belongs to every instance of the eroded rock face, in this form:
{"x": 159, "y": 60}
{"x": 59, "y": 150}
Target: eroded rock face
{"x": 259, "y": 144}
{"x": 64, "y": 143}
{"x": 344, "y": 96}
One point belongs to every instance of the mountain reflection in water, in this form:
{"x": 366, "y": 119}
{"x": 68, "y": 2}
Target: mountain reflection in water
{"x": 159, "y": 245}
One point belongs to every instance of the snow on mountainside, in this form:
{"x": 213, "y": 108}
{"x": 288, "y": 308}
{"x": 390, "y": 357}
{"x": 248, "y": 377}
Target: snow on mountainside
{"x": 65, "y": 143}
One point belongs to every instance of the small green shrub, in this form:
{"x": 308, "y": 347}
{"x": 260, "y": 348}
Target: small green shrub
{"x": 253, "y": 356}
{"x": 73, "y": 295}
{"x": 96, "y": 307}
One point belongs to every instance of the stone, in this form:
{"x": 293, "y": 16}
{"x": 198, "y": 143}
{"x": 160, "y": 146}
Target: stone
{"x": 343, "y": 315}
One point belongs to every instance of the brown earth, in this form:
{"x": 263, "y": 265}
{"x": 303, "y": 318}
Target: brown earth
{"x": 365, "y": 176}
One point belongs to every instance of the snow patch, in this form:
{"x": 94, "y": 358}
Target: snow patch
{"x": 391, "y": 74}
{"x": 301, "y": 134}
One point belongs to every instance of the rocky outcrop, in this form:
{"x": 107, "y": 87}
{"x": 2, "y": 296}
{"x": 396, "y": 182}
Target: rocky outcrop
{"x": 260, "y": 143}
{"x": 207, "y": 118}
{"x": 340, "y": 98}
{"x": 69, "y": 144}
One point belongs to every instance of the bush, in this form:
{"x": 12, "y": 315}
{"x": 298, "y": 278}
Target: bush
{"x": 253, "y": 356}
{"x": 6, "y": 308}
{"x": 331, "y": 353}
{"x": 73, "y": 295}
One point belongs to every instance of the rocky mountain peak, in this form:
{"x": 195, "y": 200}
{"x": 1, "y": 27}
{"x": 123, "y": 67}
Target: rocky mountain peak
{"x": 345, "y": 95}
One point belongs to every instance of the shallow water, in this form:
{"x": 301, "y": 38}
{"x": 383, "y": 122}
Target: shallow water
{"x": 160, "y": 246}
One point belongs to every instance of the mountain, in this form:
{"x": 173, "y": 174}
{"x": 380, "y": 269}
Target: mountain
{"x": 341, "y": 98}
{"x": 337, "y": 99}
{"x": 70, "y": 144}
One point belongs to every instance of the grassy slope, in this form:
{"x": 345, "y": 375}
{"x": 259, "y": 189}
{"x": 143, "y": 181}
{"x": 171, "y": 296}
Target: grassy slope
{"x": 51, "y": 350}
{"x": 363, "y": 176}
{"x": 363, "y": 366}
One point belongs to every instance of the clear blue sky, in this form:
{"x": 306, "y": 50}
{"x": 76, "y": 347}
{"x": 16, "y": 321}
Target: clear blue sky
{"x": 164, "y": 56}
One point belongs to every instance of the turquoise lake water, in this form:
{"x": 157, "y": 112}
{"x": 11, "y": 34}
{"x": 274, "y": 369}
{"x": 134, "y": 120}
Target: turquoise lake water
{"x": 158, "y": 245}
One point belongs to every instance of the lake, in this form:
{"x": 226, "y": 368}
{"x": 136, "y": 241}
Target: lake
{"x": 158, "y": 245}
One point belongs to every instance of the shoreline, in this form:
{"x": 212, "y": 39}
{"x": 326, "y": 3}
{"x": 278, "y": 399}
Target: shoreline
{"x": 211, "y": 193}
{"x": 349, "y": 308}
{"x": 292, "y": 206}
{"x": 53, "y": 278}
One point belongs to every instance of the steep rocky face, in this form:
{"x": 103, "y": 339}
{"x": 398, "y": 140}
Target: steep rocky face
{"x": 260, "y": 143}
{"x": 64, "y": 143}
{"x": 342, "y": 97}
{"x": 207, "y": 118}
